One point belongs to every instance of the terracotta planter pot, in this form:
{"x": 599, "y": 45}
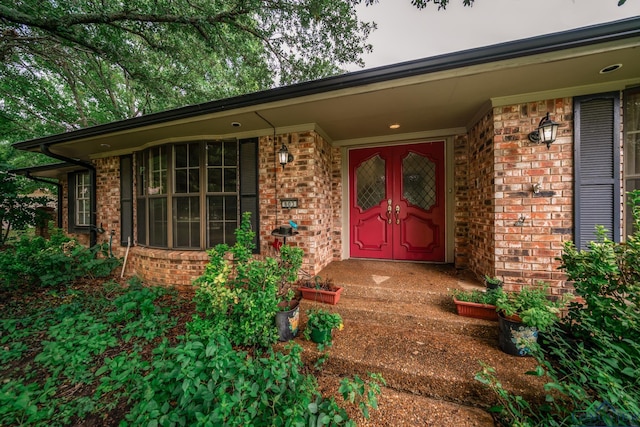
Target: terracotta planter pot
{"x": 475, "y": 310}
{"x": 318, "y": 295}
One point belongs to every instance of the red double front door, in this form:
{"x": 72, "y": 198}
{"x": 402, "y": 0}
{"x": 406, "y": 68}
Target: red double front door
{"x": 397, "y": 202}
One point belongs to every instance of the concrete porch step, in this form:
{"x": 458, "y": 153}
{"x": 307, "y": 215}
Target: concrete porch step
{"x": 435, "y": 316}
{"x": 432, "y": 364}
{"x": 416, "y": 410}
{"x": 357, "y": 276}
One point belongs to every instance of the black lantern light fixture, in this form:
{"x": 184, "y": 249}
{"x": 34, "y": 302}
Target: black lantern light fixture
{"x": 546, "y": 132}
{"x": 284, "y": 156}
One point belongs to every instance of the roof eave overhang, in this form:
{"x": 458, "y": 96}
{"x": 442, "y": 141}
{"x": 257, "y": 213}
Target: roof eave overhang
{"x": 576, "y": 38}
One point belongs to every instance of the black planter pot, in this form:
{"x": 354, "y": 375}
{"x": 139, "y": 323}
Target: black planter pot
{"x": 515, "y": 338}
{"x": 493, "y": 285}
{"x": 287, "y": 321}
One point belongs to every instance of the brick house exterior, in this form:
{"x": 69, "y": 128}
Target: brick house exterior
{"x": 495, "y": 223}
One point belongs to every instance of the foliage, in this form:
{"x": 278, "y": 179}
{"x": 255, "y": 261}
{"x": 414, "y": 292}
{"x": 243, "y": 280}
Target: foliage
{"x": 490, "y": 296}
{"x": 591, "y": 359}
{"x": 317, "y": 282}
{"x": 290, "y": 262}
{"x": 492, "y": 280}
{"x": 68, "y": 65}
{"x": 421, "y": 4}
{"x": 356, "y": 391}
{"x": 239, "y": 295}
{"x": 62, "y": 361}
{"x": 80, "y": 355}
{"x": 532, "y": 305}
{"x": 322, "y": 320}
{"x": 17, "y": 211}
{"x": 35, "y": 261}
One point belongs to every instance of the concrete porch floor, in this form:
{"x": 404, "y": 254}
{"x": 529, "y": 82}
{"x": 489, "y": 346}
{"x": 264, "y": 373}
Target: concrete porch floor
{"x": 401, "y": 322}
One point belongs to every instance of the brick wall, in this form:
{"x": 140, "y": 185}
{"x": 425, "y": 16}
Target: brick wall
{"x": 461, "y": 212}
{"x": 503, "y": 168}
{"x": 481, "y": 214}
{"x": 311, "y": 178}
{"x": 165, "y": 267}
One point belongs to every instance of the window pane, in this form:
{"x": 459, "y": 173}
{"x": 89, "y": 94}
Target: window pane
{"x": 230, "y": 236}
{"x": 140, "y": 182}
{"x": 215, "y": 180}
{"x": 187, "y": 222}
{"x": 222, "y": 219}
{"x": 194, "y": 180}
{"x": 230, "y": 153}
{"x": 194, "y": 155}
{"x": 632, "y": 184}
{"x": 632, "y": 154}
{"x": 231, "y": 209}
{"x": 181, "y": 181}
{"x": 142, "y": 221}
{"x": 180, "y": 153}
{"x": 371, "y": 184}
{"x": 214, "y": 154}
{"x": 631, "y": 151}
{"x": 158, "y": 222}
{"x": 230, "y": 180}
{"x": 82, "y": 202}
{"x": 157, "y": 171}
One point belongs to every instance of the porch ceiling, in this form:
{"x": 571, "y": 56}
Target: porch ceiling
{"x": 438, "y": 103}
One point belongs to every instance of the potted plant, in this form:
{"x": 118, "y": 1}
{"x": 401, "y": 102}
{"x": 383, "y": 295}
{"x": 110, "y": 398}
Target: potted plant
{"x": 475, "y": 303}
{"x": 492, "y": 282}
{"x": 320, "y": 290}
{"x": 320, "y": 325}
{"x": 522, "y": 314}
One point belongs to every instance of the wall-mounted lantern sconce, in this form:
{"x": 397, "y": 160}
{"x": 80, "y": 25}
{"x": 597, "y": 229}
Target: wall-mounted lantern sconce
{"x": 284, "y": 156}
{"x": 546, "y": 132}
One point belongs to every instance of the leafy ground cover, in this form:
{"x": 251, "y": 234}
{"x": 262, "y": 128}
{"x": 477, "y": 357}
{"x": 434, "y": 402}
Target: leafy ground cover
{"x": 105, "y": 352}
{"x": 77, "y": 355}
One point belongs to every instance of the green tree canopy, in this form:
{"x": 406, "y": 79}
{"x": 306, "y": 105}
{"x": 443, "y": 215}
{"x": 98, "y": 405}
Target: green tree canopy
{"x": 72, "y": 64}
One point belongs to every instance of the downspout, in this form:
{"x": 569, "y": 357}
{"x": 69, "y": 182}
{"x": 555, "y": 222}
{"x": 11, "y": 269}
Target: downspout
{"x": 275, "y": 154}
{"x": 93, "y": 237}
{"x": 58, "y": 186}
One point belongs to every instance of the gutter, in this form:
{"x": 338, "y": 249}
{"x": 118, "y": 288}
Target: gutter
{"x": 585, "y": 36}
{"x": 93, "y": 237}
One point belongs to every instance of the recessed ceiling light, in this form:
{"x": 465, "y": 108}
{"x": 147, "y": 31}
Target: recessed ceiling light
{"x": 236, "y": 124}
{"x": 105, "y": 145}
{"x": 394, "y": 126}
{"x": 610, "y": 68}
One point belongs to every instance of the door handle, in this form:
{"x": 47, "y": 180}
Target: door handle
{"x": 389, "y": 211}
{"x": 397, "y": 214}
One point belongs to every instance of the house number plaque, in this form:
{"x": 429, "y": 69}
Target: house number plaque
{"x": 289, "y": 203}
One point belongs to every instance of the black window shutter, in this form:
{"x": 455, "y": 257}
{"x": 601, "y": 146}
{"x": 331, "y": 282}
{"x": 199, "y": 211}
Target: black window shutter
{"x": 126, "y": 199}
{"x": 597, "y": 166}
{"x": 249, "y": 183}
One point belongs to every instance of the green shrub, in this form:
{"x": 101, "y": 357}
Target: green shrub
{"x": 592, "y": 357}
{"x": 238, "y": 294}
{"x": 35, "y": 261}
